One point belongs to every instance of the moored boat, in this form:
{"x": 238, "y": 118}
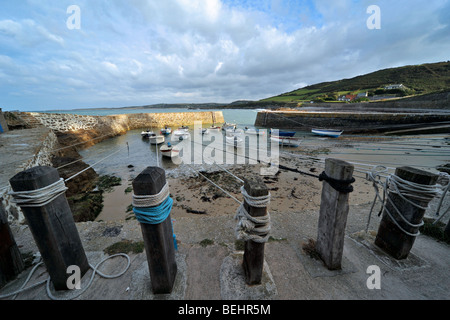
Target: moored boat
{"x": 168, "y": 150}
{"x": 166, "y": 131}
{"x": 286, "y": 141}
{"x": 253, "y": 131}
{"x": 284, "y": 133}
{"x": 147, "y": 134}
{"x": 182, "y": 134}
{"x": 234, "y": 141}
{"x": 156, "y": 139}
{"x": 327, "y": 132}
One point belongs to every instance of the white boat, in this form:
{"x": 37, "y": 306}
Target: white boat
{"x": 181, "y": 134}
{"x": 253, "y": 131}
{"x": 286, "y": 141}
{"x": 147, "y": 134}
{"x": 168, "y": 150}
{"x": 204, "y": 131}
{"x": 234, "y": 141}
{"x": 166, "y": 131}
{"x": 156, "y": 139}
{"x": 227, "y": 125}
{"x": 327, "y": 132}
{"x": 232, "y": 132}
{"x": 214, "y": 127}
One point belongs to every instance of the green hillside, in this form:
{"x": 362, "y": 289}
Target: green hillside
{"x": 418, "y": 79}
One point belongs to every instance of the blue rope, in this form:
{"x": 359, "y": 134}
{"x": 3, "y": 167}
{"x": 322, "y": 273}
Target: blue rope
{"x": 154, "y": 215}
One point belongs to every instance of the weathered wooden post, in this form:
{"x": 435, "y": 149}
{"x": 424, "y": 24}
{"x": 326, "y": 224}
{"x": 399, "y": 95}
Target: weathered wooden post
{"x": 333, "y": 211}
{"x": 51, "y": 222}
{"x": 253, "y": 260}
{"x": 158, "y": 235}
{"x": 390, "y": 237}
{"x": 11, "y": 263}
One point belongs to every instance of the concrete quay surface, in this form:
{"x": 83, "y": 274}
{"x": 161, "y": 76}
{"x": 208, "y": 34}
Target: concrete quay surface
{"x": 214, "y": 271}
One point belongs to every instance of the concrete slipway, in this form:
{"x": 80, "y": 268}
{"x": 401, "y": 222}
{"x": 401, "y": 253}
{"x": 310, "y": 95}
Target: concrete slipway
{"x": 213, "y": 272}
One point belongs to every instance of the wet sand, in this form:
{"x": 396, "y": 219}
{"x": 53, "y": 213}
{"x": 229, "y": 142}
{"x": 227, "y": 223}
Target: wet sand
{"x": 291, "y": 191}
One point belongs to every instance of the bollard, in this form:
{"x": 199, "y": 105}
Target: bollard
{"x": 390, "y": 237}
{"x": 11, "y": 263}
{"x": 253, "y": 260}
{"x": 158, "y": 238}
{"x": 333, "y": 212}
{"x": 52, "y": 226}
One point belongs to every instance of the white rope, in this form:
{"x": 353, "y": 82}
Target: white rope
{"x": 48, "y": 280}
{"x": 253, "y": 228}
{"x": 154, "y": 200}
{"x": 39, "y": 197}
{"x": 406, "y": 190}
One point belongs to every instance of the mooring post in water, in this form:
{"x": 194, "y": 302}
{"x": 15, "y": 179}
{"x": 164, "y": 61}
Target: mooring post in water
{"x": 11, "y": 263}
{"x": 390, "y": 237}
{"x": 253, "y": 261}
{"x": 51, "y": 223}
{"x": 158, "y": 235}
{"x": 333, "y": 211}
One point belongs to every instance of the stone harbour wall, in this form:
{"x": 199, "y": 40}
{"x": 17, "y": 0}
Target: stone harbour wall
{"x": 345, "y": 120}
{"x": 42, "y": 157}
{"x": 122, "y": 122}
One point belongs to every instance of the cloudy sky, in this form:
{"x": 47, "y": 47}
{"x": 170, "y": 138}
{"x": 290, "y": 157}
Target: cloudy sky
{"x": 139, "y": 52}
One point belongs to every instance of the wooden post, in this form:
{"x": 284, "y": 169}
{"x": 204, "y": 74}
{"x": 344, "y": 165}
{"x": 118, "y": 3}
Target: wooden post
{"x": 253, "y": 261}
{"x": 52, "y": 226}
{"x": 333, "y": 214}
{"x": 391, "y": 238}
{"x": 158, "y": 238}
{"x": 447, "y": 229}
{"x": 11, "y": 263}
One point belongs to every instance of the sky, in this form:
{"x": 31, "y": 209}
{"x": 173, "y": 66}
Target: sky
{"x": 118, "y": 53}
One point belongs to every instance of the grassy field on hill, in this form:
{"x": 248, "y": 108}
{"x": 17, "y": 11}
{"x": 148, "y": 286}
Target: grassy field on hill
{"x": 418, "y": 79}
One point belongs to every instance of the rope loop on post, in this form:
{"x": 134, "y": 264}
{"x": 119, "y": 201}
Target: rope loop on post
{"x": 343, "y": 186}
{"x": 39, "y": 197}
{"x": 153, "y": 209}
{"x": 411, "y": 192}
{"x": 253, "y": 228}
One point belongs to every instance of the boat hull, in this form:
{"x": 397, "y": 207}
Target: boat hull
{"x": 286, "y": 141}
{"x": 156, "y": 139}
{"x": 327, "y": 133}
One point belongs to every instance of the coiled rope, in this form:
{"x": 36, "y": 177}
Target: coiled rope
{"x": 48, "y": 280}
{"x": 153, "y": 209}
{"x": 39, "y": 197}
{"x": 253, "y": 228}
{"x": 411, "y": 192}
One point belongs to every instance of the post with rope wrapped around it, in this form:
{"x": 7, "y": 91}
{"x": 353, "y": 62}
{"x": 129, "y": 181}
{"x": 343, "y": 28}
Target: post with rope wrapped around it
{"x": 254, "y": 227}
{"x": 152, "y": 205}
{"x": 333, "y": 211}
{"x": 39, "y": 192}
{"x": 398, "y": 229}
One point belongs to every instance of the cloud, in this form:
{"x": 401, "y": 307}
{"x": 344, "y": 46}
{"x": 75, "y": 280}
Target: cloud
{"x": 142, "y": 52}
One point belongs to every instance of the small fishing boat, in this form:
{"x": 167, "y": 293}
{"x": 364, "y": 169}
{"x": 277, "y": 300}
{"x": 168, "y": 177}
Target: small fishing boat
{"x": 284, "y": 133}
{"x": 166, "y": 131}
{"x": 231, "y": 132}
{"x": 168, "y": 150}
{"x": 253, "y": 131}
{"x": 213, "y": 127}
{"x": 234, "y": 141}
{"x": 286, "y": 141}
{"x": 327, "y": 132}
{"x": 227, "y": 125}
{"x": 181, "y": 134}
{"x": 204, "y": 131}
{"x": 156, "y": 139}
{"x": 186, "y": 128}
{"x": 147, "y": 134}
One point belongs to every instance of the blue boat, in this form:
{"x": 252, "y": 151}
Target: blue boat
{"x": 284, "y": 133}
{"x": 327, "y": 132}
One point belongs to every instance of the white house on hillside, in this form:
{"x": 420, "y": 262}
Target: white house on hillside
{"x": 394, "y": 86}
